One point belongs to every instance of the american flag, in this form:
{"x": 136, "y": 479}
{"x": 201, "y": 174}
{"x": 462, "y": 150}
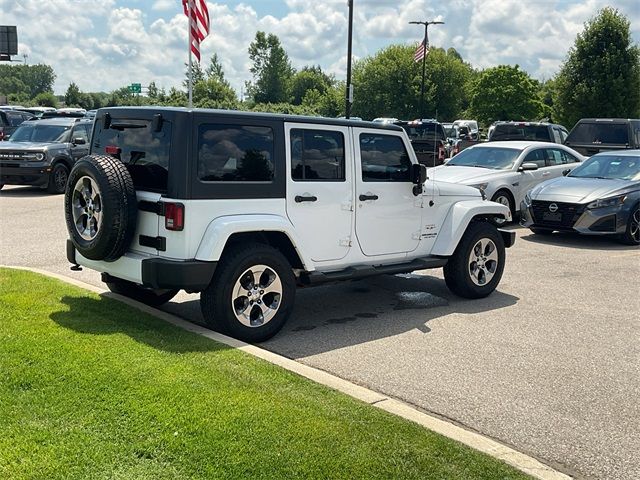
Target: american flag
{"x": 198, "y": 15}
{"x": 421, "y": 52}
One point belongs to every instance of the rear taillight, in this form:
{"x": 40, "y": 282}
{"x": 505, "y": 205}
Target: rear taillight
{"x": 173, "y": 216}
{"x": 441, "y": 152}
{"x": 456, "y": 150}
{"x": 112, "y": 150}
{"x": 1, "y": 133}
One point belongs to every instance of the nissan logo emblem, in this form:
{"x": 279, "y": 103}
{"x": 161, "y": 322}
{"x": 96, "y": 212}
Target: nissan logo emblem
{"x": 553, "y": 208}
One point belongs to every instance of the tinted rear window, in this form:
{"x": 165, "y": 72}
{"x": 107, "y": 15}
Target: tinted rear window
{"x": 597, "y": 133}
{"x": 426, "y": 131}
{"x": 145, "y": 152}
{"x": 521, "y": 132}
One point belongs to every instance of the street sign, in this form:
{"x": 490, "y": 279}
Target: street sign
{"x": 135, "y": 88}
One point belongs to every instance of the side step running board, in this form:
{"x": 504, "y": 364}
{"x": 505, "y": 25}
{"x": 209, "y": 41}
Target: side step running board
{"x": 356, "y": 272}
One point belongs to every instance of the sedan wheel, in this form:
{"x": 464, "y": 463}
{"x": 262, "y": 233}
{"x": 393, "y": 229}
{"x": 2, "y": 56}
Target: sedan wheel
{"x": 632, "y": 234}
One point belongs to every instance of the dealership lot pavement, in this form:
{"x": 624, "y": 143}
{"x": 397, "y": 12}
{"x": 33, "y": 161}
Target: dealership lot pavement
{"x": 549, "y": 364}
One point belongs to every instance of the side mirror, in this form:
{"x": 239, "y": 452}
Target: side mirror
{"x": 418, "y": 173}
{"x": 79, "y": 141}
{"x": 528, "y": 166}
{"x": 566, "y": 172}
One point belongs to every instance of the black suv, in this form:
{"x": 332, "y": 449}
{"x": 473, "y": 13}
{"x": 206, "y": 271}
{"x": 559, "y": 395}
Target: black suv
{"x": 42, "y": 152}
{"x": 593, "y": 135}
{"x": 536, "y": 131}
{"x": 428, "y": 140}
{"x": 10, "y": 120}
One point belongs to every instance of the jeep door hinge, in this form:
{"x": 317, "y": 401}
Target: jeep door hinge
{"x": 347, "y": 206}
{"x": 345, "y": 242}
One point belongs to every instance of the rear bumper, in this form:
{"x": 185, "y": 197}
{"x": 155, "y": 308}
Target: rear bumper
{"x": 38, "y": 176}
{"x": 152, "y": 272}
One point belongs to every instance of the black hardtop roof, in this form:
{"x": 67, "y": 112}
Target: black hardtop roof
{"x": 58, "y": 120}
{"x": 171, "y": 112}
{"x": 612, "y": 120}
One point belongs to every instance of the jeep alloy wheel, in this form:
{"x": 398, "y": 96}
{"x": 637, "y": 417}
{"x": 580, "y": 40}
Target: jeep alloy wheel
{"x": 87, "y": 208}
{"x": 251, "y": 294}
{"x": 256, "y": 296}
{"x": 483, "y": 261}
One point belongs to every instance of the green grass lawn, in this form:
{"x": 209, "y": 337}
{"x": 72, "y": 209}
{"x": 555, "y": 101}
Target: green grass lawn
{"x": 91, "y": 388}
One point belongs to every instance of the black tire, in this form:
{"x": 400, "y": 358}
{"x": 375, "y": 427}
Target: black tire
{"x": 458, "y": 271}
{"x": 541, "y": 231}
{"x": 58, "y": 179}
{"x": 148, "y": 296}
{"x": 117, "y": 206}
{"x": 631, "y": 235}
{"x": 1, "y": 186}
{"x": 217, "y": 300}
{"x": 497, "y": 197}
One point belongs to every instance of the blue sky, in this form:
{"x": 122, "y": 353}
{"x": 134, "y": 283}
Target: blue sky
{"x": 105, "y": 44}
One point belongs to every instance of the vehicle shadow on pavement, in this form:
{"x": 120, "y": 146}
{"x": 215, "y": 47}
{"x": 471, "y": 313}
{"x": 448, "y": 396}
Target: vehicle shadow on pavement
{"x": 107, "y": 316}
{"x": 24, "y": 192}
{"x": 575, "y": 240}
{"x": 335, "y": 316}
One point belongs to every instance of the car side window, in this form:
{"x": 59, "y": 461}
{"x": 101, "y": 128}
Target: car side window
{"x": 384, "y": 158}
{"x": 317, "y": 155}
{"x": 536, "y": 156}
{"x": 555, "y": 157}
{"x": 556, "y": 135}
{"x": 235, "y": 153}
{"x": 15, "y": 119}
{"x": 80, "y": 131}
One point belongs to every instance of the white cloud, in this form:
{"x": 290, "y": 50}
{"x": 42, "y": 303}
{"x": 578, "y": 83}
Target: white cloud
{"x": 104, "y": 44}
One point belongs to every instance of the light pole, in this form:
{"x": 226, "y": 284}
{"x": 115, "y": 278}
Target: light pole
{"x": 349, "y": 92}
{"x": 425, "y": 42}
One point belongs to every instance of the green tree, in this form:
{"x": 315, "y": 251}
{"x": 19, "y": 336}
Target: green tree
{"x": 73, "y": 96}
{"x": 196, "y": 71}
{"x": 153, "y": 90}
{"x": 26, "y": 81}
{"x": 214, "y": 70}
{"x": 213, "y": 93}
{"x": 388, "y": 84}
{"x": 271, "y": 69}
{"x": 505, "y": 93}
{"x": 46, "y": 99}
{"x": 601, "y": 76}
{"x": 309, "y": 78}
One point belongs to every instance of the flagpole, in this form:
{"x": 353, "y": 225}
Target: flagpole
{"x": 425, "y": 43}
{"x": 190, "y": 76}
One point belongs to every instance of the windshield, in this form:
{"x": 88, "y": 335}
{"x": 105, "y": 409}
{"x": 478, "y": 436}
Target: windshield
{"x": 41, "y": 133}
{"x": 425, "y": 131}
{"x": 497, "y": 158}
{"x": 451, "y": 131}
{"x": 520, "y": 132}
{"x": 609, "y": 166}
{"x": 616, "y": 133}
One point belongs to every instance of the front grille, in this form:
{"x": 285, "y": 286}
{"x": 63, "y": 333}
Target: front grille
{"x": 4, "y": 156}
{"x": 566, "y": 216}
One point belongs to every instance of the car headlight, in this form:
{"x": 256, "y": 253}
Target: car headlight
{"x": 34, "y": 157}
{"x": 607, "y": 202}
{"x": 480, "y": 186}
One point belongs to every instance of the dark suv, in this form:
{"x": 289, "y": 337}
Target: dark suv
{"x": 42, "y": 152}
{"x": 536, "y": 131}
{"x": 594, "y": 135}
{"x": 10, "y": 120}
{"x": 428, "y": 140}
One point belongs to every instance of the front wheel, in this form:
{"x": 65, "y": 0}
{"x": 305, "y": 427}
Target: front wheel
{"x": 58, "y": 178}
{"x": 148, "y": 296}
{"x": 503, "y": 197}
{"x": 476, "y": 267}
{"x": 631, "y": 235}
{"x": 251, "y": 294}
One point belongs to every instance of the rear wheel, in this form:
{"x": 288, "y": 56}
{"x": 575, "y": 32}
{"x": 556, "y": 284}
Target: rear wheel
{"x": 632, "y": 234}
{"x": 251, "y": 294}
{"x": 476, "y": 267}
{"x": 148, "y": 296}
{"x": 58, "y": 178}
{"x": 541, "y": 231}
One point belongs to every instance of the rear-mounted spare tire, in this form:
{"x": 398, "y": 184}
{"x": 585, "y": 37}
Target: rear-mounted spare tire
{"x": 100, "y": 207}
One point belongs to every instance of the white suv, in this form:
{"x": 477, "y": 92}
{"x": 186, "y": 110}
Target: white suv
{"x": 245, "y": 207}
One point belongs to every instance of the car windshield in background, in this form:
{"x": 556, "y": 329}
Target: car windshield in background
{"x": 620, "y": 167}
{"x": 426, "y": 131}
{"x": 497, "y": 158}
{"x": 451, "y": 132}
{"x": 612, "y": 133}
{"x": 41, "y": 133}
{"x": 520, "y": 132}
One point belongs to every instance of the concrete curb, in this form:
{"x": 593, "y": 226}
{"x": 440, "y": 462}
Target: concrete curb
{"x": 521, "y": 461}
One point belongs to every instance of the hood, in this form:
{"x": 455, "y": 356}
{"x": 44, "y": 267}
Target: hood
{"x": 467, "y": 175}
{"x": 581, "y": 190}
{"x": 455, "y": 190}
{"x": 32, "y": 146}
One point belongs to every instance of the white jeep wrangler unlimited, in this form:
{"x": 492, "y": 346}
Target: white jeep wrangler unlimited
{"x": 245, "y": 207}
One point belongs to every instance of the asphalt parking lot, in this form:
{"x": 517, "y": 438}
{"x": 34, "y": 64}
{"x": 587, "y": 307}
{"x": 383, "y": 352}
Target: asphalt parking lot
{"x": 549, "y": 363}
